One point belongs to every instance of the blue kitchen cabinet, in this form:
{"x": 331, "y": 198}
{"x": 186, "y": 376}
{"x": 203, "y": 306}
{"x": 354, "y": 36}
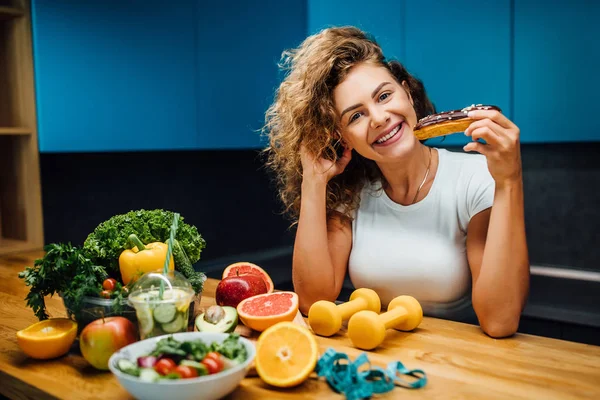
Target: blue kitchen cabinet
{"x": 115, "y": 75}
{"x": 461, "y": 52}
{"x": 556, "y": 62}
{"x": 152, "y": 75}
{"x": 383, "y": 19}
{"x": 240, "y": 44}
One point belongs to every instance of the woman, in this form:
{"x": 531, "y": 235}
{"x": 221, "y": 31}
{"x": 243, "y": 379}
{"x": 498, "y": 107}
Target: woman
{"x": 398, "y": 216}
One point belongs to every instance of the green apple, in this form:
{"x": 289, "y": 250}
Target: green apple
{"x": 102, "y": 337}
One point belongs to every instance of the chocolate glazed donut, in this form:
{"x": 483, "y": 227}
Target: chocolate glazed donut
{"x": 447, "y": 122}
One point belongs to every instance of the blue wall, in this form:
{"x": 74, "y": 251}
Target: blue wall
{"x": 142, "y": 75}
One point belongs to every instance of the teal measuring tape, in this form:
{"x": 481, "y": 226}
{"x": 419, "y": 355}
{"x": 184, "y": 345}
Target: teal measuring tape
{"x": 344, "y": 376}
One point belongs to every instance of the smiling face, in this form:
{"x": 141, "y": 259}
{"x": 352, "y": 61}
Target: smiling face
{"x": 376, "y": 113}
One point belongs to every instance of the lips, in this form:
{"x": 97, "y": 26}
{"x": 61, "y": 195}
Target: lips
{"x": 388, "y": 134}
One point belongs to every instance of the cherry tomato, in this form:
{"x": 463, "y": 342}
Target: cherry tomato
{"x": 186, "y": 371}
{"x": 109, "y": 284}
{"x": 164, "y": 366}
{"x": 212, "y": 365}
{"x": 217, "y": 357}
{"x": 105, "y": 294}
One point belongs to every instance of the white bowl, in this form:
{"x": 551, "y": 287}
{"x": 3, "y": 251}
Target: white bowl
{"x": 206, "y": 387}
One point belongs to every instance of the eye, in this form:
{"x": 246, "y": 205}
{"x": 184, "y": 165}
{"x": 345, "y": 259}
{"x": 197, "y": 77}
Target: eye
{"x": 354, "y": 117}
{"x": 384, "y": 96}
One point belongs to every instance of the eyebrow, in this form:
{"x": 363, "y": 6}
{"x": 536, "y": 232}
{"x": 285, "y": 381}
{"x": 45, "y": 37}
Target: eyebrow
{"x": 373, "y": 94}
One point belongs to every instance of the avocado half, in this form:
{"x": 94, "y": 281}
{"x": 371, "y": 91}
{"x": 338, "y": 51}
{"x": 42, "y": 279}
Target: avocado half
{"x": 217, "y": 319}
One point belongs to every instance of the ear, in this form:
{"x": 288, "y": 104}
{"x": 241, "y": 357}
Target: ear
{"x": 344, "y": 142}
{"x": 407, "y": 89}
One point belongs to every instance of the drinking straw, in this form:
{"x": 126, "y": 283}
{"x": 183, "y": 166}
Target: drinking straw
{"x": 174, "y": 226}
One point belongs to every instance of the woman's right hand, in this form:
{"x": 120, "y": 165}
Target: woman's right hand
{"x": 322, "y": 169}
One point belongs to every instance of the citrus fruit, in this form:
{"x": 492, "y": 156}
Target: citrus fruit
{"x": 264, "y": 310}
{"x": 47, "y": 339}
{"x": 246, "y": 268}
{"x": 286, "y": 354}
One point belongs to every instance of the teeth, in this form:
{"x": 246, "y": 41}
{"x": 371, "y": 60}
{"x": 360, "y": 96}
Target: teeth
{"x": 389, "y": 135}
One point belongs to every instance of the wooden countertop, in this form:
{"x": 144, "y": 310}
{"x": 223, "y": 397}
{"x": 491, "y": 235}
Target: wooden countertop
{"x": 460, "y": 361}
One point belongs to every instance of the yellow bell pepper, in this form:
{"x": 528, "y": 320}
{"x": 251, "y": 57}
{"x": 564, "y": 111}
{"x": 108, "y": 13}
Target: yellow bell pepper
{"x": 143, "y": 258}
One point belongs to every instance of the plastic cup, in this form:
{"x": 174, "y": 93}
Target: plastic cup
{"x": 164, "y": 315}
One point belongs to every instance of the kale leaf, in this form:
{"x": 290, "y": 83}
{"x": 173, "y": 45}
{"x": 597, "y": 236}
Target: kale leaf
{"x": 105, "y": 244}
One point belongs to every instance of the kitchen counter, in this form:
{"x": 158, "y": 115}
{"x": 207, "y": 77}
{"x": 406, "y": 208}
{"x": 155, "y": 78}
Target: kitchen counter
{"x": 460, "y": 361}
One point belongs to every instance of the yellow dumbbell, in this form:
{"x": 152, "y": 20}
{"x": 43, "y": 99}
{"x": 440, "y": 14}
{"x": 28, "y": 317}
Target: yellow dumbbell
{"x": 325, "y": 318}
{"x": 367, "y": 328}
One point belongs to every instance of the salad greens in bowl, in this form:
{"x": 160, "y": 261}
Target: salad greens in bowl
{"x": 186, "y": 365}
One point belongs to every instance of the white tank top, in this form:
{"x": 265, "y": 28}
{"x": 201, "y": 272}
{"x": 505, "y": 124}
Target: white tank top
{"x": 420, "y": 249}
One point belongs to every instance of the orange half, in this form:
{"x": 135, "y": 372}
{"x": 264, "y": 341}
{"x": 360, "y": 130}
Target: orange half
{"x": 47, "y": 339}
{"x": 286, "y": 354}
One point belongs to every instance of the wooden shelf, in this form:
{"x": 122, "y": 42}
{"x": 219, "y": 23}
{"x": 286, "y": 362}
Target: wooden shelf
{"x": 21, "y": 219}
{"x": 15, "y": 131}
{"x": 8, "y": 246}
{"x": 10, "y": 12}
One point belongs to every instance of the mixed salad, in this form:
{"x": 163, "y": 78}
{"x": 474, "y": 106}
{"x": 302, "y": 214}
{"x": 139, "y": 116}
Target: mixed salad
{"x": 172, "y": 359}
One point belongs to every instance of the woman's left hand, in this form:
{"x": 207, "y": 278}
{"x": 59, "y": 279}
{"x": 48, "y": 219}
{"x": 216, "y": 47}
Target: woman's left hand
{"x": 501, "y": 149}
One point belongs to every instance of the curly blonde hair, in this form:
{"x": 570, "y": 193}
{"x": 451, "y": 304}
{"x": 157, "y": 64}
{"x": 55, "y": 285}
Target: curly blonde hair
{"x": 303, "y": 113}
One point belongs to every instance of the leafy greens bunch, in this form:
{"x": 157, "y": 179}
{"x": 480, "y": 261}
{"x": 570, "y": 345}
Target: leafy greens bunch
{"x": 64, "y": 269}
{"x": 110, "y": 238}
{"x": 75, "y": 272}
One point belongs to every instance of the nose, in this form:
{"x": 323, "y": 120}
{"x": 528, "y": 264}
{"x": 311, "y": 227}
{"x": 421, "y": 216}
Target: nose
{"x": 379, "y": 117}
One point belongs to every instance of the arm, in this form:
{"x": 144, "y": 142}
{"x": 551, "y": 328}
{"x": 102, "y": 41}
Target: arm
{"x": 496, "y": 242}
{"x": 322, "y": 247}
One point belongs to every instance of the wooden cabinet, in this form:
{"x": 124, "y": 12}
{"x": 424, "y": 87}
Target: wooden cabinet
{"x": 20, "y": 195}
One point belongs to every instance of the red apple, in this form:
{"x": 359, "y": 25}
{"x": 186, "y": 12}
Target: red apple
{"x": 102, "y": 337}
{"x": 232, "y": 290}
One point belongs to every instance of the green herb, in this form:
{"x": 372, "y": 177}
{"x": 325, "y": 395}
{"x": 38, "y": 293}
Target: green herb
{"x": 105, "y": 244}
{"x": 64, "y": 269}
{"x": 232, "y": 348}
{"x": 168, "y": 345}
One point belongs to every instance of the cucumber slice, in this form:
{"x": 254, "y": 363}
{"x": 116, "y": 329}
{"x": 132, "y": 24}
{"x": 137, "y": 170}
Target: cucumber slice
{"x": 145, "y": 320}
{"x": 174, "y": 326}
{"x": 164, "y": 313}
{"x": 149, "y": 375}
{"x": 128, "y": 367}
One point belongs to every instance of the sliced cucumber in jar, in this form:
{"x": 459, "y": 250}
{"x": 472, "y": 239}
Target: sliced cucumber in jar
{"x": 174, "y": 326}
{"x": 164, "y": 313}
{"x": 145, "y": 320}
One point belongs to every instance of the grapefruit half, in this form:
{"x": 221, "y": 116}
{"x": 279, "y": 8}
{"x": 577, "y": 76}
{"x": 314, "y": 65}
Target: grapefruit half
{"x": 265, "y": 310}
{"x": 247, "y": 268}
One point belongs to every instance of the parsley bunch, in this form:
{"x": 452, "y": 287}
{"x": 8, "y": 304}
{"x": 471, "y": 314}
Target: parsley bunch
{"x": 64, "y": 269}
